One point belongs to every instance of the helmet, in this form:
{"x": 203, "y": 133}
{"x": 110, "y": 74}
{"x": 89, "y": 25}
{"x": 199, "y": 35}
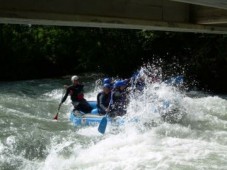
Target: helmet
{"x": 106, "y": 81}
{"x": 74, "y": 78}
{"x": 119, "y": 83}
{"x": 106, "y": 86}
{"x": 126, "y": 81}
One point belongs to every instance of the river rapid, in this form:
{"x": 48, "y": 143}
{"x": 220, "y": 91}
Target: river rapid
{"x": 30, "y": 139}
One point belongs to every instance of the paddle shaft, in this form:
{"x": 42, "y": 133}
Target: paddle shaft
{"x": 56, "y": 116}
{"x": 103, "y": 123}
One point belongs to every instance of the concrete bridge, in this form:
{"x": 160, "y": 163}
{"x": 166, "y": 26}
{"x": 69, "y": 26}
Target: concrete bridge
{"x": 206, "y": 16}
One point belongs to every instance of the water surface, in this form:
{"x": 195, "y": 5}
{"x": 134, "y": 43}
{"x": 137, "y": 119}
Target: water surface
{"x": 31, "y": 139}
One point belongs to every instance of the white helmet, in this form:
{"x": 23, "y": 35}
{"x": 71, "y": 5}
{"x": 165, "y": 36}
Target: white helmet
{"x": 74, "y": 78}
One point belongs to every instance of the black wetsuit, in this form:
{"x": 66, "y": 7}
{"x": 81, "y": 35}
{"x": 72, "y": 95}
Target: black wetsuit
{"x": 77, "y": 97}
{"x": 103, "y": 101}
{"x": 118, "y": 103}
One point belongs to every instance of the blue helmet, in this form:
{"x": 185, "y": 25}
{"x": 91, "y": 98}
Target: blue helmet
{"x": 107, "y": 86}
{"x": 126, "y": 81}
{"x": 106, "y": 81}
{"x": 119, "y": 83}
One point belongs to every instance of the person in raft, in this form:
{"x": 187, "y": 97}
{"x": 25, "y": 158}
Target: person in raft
{"x": 118, "y": 100}
{"x": 103, "y": 99}
{"x": 77, "y": 96}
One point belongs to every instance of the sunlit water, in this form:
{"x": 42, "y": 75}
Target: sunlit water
{"x": 31, "y": 139}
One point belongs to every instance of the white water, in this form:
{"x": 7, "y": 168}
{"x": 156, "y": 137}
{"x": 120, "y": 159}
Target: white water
{"x": 197, "y": 141}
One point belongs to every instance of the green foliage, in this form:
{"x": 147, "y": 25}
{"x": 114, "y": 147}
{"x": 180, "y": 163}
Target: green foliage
{"x": 29, "y": 52}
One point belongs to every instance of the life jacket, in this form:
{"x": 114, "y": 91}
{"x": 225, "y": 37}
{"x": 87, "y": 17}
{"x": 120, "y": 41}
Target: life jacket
{"x": 118, "y": 99}
{"x": 107, "y": 98}
{"x": 76, "y": 92}
{"x": 98, "y": 100}
{"x": 104, "y": 103}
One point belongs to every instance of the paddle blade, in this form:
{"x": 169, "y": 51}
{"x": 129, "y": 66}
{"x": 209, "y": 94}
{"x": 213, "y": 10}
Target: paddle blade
{"x": 102, "y": 125}
{"x": 56, "y": 117}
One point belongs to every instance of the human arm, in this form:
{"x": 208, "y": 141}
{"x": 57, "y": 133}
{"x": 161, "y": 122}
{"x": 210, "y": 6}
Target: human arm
{"x": 111, "y": 103}
{"x": 65, "y": 96}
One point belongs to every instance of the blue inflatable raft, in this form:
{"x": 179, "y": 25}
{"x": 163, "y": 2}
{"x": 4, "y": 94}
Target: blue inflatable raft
{"x": 93, "y": 118}
{"x": 85, "y": 119}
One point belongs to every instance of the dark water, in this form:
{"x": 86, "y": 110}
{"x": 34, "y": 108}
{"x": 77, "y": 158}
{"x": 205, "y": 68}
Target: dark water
{"x": 31, "y": 139}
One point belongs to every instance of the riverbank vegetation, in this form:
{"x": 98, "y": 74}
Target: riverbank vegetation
{"x": 31, "y": 52}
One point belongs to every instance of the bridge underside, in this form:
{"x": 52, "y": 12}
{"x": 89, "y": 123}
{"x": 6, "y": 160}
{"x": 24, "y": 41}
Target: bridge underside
{"x": 205, "y": 16}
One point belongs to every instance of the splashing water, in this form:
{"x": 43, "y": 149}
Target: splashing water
{"x": 157, "y": 100}
{"x": 30, "y": 139}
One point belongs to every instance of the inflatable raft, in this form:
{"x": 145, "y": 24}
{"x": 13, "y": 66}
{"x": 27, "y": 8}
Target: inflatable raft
{"x": 85, "y": 119}
{"x": 91, "y": 119}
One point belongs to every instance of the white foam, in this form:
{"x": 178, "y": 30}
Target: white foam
{"x": 132, "y": 149}
{"x": 197, "y": 141}
{"x": 89, "y": 131}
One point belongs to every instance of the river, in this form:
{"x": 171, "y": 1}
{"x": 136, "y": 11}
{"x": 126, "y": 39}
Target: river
{"x": 31, "y": 139}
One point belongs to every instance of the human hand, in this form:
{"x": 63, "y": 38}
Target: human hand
{"x": 65, "y": 86}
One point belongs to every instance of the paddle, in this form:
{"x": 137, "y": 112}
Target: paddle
{"x": 103, "y": 124}
{"x": 56, "y": 116}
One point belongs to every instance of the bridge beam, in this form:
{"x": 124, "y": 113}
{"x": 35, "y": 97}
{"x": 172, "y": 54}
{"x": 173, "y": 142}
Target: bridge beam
{"x": 209, "y": 16}
{"x": 222, "y": 4}
{"x": 165, "y": 15}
